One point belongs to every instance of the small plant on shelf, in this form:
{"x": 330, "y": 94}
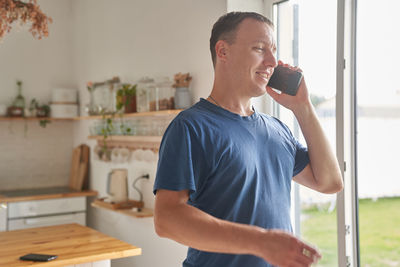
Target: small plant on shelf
{"x": 40, "y": 111}
{"x": 126, "y": 98}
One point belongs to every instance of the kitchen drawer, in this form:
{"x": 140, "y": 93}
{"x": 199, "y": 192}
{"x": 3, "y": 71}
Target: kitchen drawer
{"x": 46, "y": 207}
{"x": 16, "y": 224}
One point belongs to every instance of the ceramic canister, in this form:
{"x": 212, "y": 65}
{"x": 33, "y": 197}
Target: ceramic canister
{"x": 64, "y": 95}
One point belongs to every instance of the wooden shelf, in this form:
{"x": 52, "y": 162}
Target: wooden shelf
{"x": 129, "y": 141}
{"x": 145, "y": 212}
{"x": 170, "y": 112}
{"x": 136, "y": 114}
{"x": 34, "y": 119}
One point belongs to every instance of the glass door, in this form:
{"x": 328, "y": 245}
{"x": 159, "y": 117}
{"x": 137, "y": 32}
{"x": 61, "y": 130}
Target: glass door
{"x": 306, "y": 36}
{"x": 378, "y": 132}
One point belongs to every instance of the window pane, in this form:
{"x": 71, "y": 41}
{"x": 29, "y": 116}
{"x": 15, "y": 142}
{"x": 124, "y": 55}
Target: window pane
{"x": 306, "y": 36}
{"x": 378, "y": 127}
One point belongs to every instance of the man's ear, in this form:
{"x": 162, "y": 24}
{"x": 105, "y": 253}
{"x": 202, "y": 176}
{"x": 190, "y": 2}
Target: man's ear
{"x": 221, "y": 50}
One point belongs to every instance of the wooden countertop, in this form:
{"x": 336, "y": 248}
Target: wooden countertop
{"x": 73, "y": 243}
{"x": 42, "y": 193}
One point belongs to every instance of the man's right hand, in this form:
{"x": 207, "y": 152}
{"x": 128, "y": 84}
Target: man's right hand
{"x": 283, "y": 249}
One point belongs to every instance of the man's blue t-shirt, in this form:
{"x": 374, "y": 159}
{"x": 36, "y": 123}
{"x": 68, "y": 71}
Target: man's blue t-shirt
{"x": 236, "y": 168}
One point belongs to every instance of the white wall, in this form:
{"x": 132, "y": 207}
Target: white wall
{"x": 249, "y": 5}
{"x": 41, "y": 157}
{"x": 135, "y": 38}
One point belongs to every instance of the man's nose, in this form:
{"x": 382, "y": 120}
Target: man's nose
{"x": 270, "y": 60}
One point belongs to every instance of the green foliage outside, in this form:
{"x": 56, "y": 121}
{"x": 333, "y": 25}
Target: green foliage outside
{"x": 379, "y": 232}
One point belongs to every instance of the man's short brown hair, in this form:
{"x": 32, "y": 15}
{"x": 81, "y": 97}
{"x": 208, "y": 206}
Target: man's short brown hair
{"x": 226, "y": 26}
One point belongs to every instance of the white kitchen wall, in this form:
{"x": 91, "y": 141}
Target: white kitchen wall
{"x": 135, "y": 38}
{"x": 40, "y": 157}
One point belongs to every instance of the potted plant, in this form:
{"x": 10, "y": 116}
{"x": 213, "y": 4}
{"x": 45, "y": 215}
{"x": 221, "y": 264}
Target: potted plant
{"x": 126, "y": 98}
{"x": 40, "y": 111}
{"x": 43, "y": 111}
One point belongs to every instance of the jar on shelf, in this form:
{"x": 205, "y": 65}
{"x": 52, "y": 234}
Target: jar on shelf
{"x": 153, "y": 98}
{"x": 182, "y": 98}
{"x": 145, "y": 94}
{"x": 165, "y": 94}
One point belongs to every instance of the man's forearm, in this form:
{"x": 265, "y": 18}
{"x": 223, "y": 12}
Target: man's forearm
{"x": 322, "y": 159}
{"x": 197, "y": 229}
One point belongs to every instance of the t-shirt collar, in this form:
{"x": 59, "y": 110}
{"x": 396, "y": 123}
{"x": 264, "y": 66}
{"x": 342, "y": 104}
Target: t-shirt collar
{"x": 211, "y": 106}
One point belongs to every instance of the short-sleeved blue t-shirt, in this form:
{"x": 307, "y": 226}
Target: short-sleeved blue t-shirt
{"x": 236, "y": 168}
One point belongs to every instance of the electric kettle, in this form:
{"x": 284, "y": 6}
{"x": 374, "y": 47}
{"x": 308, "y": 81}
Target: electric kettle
{"x": 117, "y": 185}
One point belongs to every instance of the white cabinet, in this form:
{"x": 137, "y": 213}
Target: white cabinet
{"x": 3, "y": 216}
{"x": 34, "y": 208}
{"x": 16, "y": 224}
{"x": 47, "y": 212}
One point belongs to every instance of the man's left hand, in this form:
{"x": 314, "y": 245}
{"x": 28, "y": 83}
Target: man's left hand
{"x": 288, "y": 101}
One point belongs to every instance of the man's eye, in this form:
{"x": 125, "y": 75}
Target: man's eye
{"x": 259, "y": 49}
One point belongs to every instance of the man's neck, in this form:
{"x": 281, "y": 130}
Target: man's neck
{"x": 231, "y": 101}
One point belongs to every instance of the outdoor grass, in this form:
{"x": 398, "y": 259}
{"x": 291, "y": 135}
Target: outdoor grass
{"x": 379, "y": 232}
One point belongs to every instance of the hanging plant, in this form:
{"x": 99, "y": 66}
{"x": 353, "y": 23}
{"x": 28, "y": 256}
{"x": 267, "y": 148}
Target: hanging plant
{"x": 23, "y": 12}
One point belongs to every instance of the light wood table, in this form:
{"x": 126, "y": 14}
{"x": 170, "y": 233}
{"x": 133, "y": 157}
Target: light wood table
{"x": 74, "y": 244}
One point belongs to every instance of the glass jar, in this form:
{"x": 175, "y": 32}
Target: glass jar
{"x": 153, "y": 98}
{"x": 165, "y": 94}
{"x": 145, "y": 94}
{"x": 182, "y": 98}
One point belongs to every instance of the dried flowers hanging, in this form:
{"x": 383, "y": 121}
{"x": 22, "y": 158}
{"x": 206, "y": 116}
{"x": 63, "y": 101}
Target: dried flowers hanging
{"x": 28, "y": 11}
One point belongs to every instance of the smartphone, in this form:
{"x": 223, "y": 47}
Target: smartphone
{"x": 285, "y": 80}
{"x": 37, "y": 257}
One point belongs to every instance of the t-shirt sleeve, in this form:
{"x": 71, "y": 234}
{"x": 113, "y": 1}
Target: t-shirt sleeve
{"x": 301, "y": 158}
{"x": 178, "y": 162}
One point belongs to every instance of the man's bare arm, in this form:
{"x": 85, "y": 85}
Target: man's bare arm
{"x": 323, "y": 173}
{"x": 177, "y": 220}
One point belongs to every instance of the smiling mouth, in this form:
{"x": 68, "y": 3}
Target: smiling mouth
{"x": 264, "y": 75}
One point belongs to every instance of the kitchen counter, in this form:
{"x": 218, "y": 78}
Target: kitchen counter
{"x": 42, "y": 193}
{"x": 74, "y": 244}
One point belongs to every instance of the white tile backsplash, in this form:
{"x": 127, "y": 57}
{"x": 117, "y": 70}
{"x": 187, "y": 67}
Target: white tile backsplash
{"x": 32, "y": 156}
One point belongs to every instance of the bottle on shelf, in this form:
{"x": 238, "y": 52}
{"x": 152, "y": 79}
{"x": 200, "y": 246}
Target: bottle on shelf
{"x": 18, "y": 106}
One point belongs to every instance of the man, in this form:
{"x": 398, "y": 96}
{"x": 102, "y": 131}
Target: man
{"x": 224, "y": 172}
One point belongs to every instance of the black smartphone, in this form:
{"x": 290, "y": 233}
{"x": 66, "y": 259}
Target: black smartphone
{"x": 285, "y": 80}
{"x": 37, "y": 257}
